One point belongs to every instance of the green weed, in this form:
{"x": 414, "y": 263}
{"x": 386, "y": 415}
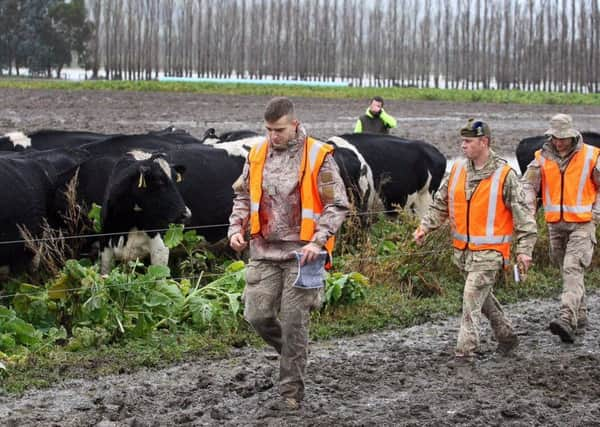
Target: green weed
{"x": 408, "y": 94}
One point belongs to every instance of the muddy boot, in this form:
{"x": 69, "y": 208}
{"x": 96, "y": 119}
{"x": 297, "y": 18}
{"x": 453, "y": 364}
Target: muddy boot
{"x": 508, "y": 344}
{"x": 562, "y": 328}
{"x": 284, "y": 404}
{"x": 582, "y": 322}
{"x": 462, "y": 359}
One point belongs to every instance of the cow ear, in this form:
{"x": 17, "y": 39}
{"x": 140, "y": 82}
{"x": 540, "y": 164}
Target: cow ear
{"x": 179, "y": 171}
{"x": 143, "y": 170}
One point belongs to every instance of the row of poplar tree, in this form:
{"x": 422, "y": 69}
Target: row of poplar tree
{"x": 527, "y": 44}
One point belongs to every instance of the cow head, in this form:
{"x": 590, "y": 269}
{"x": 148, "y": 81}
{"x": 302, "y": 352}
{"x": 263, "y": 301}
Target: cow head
{"x": 142, "y": 193}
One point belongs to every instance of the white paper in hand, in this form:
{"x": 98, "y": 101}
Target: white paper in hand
{"x": 312, "y": 274}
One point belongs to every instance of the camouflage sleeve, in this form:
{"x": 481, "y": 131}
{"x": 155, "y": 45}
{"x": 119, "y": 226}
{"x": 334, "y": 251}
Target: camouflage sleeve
{"x": 596, "y": 205}
{"x": 531, "y": 182}
{"x": 241, "y": 204}
{"x": 332, "y": 192}
{"x": 525, "y": 227}
{"x": 438, "y": 210}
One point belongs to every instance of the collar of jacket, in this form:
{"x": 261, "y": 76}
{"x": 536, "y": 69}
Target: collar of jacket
{"x": 490, "y": 166}
{"x": 294, "y": 144}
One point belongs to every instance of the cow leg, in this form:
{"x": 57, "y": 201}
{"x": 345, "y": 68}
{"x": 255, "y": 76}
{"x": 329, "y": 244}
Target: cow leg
{"x": 159, "y": 253}
{"x": 422, "y": 199}
{"x": 421, "y": 204}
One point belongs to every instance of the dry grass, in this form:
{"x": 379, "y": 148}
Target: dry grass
{"x": 52, "y": 247}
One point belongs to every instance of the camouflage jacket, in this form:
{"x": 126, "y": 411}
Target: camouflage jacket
{"x": 532, "y": 179}
{"x": 524, "y": 222}
{"x": 280, "y": 204}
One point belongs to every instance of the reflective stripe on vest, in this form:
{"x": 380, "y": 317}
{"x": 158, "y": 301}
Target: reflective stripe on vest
{"x": 312, "y": 160}
{"x": 569, "y": 195}
{"x": 484, "y": 222}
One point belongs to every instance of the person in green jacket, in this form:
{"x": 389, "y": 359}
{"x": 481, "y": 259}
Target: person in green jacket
{"x": 375, "y": 119}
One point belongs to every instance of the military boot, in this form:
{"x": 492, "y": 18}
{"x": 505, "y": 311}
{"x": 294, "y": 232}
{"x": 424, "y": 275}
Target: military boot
{"x": 563, "y": 329}
{"x": 508, "y": 344}
{"x": 582, "y": 320}
{"x": 582, "y": 323}
{"x": 284, "y": 404}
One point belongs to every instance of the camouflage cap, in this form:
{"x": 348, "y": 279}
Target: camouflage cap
{"x": 475, "y": 128}
{"x": 561, "y": 126}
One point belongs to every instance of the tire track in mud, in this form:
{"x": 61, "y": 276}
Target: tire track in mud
{"x": 396, "y": 377}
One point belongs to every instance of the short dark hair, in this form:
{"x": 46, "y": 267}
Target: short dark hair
{"x": 277, "y": 108}
{"x": 378, "y": 99}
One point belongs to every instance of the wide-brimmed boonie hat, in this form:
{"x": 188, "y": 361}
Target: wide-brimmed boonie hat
{"x": 561, "y": 126}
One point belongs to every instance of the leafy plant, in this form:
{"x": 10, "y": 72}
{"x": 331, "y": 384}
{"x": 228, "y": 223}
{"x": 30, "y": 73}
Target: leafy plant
{"x": 218, "y": 304}
{"x": 14, "y": 331}
{"x": 343, "y": 289}
{"x": 196, "y": 258}
{"x": 95, "y": 215}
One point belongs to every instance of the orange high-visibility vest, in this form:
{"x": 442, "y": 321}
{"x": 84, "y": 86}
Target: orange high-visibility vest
{"x": 569, "y": 195}
{"x": 484, "y": 222}
{"x": 312, "y": 160}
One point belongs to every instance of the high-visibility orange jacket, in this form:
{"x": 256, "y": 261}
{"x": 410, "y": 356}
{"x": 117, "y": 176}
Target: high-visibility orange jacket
{"x": 570, "y": 194}
{"x": 484, "y": 222}
{"x": 312, "y": 160}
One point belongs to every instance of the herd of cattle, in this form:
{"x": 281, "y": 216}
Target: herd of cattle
{"x": 145, "y": 182}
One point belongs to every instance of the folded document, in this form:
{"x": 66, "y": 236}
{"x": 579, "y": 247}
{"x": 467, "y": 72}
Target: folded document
{"x": 311, "y": 275}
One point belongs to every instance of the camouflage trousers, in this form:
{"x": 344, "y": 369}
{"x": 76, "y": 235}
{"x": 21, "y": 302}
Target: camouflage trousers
{"x": 478, "y": 299}
{"x": 280, "y": 314}
{"x": 572, "y": 247}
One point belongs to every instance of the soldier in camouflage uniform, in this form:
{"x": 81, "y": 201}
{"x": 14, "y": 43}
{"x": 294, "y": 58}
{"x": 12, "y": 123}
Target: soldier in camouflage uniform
{"x": 482, "y": 256}
{"x": 567, "y": 170}
{"x": 277, "y": 310}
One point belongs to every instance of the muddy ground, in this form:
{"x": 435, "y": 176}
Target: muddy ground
{"x": 398, "y": 377}
{"x": 129, "y": 112}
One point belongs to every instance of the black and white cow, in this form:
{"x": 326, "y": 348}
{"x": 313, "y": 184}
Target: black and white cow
{"x": 527, "y": 147}
{"x": 404, "y": 172}
{"x": 176, "y": 135}
{"x": 48, "y": 139}
{"x": 207, "y": 187}
{"x": 29, "y": 182}
{"x": 14, "y": 141}
{"x": 354, "y": 170}
{"x": 136, "y": 184}
{"x": 140, "y": 199}
{"x": 356, "y": 173}
{"x": 210, "y": 136}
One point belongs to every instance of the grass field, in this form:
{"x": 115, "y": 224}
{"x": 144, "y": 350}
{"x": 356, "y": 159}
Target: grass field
{"x": 395, "y": 93}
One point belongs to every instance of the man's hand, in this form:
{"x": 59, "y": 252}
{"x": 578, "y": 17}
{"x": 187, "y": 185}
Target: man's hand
{"x": 309, "y": 253}
{"x": 237, "y": 242}
{"x": 524, "y": 261}
{"x": 419, "y": 235}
